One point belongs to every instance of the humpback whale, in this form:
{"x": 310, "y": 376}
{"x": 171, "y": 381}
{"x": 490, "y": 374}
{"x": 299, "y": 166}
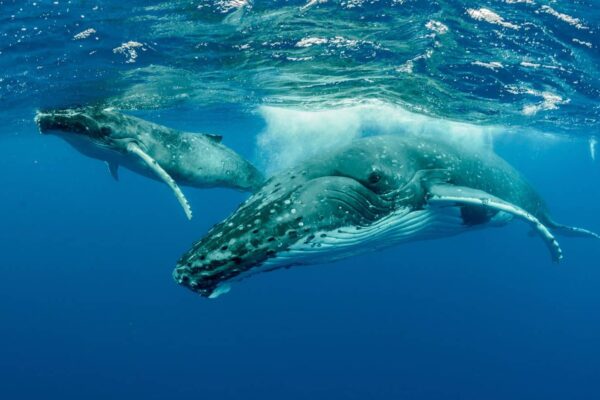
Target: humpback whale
{"x": 374, "y": 193}
{"x": 155, "y": 151}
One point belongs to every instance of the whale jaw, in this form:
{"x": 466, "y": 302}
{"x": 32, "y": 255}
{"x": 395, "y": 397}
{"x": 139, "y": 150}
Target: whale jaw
{"x": 403, "y": 225}
{"x": 74, "y": 121}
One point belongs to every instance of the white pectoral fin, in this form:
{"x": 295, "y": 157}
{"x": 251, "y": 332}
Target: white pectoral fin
{"x": 446, "y": 194}
{"x": 133, "y": 148}
{"x": 113, "y": 168}
{"x": 573, "y": 231}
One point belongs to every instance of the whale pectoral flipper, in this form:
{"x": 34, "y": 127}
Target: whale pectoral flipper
{"x": 574, "y": 231}
{"x": 113, "y": 168}
{"x": 444, "y": 194}
{"x": 162, "y": 174}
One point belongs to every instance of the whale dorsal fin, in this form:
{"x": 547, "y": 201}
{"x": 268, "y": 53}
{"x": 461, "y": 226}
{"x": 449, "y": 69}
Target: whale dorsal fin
{"x": 214, "y": 138}
{"x": 133, "y": 148}
{"x": 113, "y": 168}
{"x": 447, "y": 194}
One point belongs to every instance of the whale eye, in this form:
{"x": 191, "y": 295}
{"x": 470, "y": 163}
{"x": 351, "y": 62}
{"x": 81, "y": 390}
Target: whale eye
{"x": 105, "y": 131}
{"x": 374, "y": 177}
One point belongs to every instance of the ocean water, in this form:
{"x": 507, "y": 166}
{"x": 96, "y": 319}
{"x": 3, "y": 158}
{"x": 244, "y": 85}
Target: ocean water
{"x": 88, "y": 307}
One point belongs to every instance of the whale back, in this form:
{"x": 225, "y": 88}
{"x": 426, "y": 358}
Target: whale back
{"x": 199, "y": 160}
{"x": 385, "y": 163}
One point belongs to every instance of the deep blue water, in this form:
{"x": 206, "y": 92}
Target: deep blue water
{"x": 88, "y": 308}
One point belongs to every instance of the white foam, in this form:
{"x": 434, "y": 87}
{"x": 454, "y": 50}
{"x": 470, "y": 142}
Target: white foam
{"x": 528, "y": 64}
{"x": 437, "y": 27}
{"x": 227, "y": 5}
{"x": 493, "y": 65}
{"x": 593, "y": 144}
{"x": 336, "y": 41}
{"x": 582, "y": 42}
{"x": 84, "y": 34}
{"x": 292, "y": 135}
{"x": 311, "y": 41}
{"x": 129, "y": 50}
{"x": 564, "y": 17}
{"x": 408, "y": 66}
{"x": 352, "y": 3}
{"x": 550, "y": 101}
{"x": 487, "y": 15}
{"x": 311, "y": 3}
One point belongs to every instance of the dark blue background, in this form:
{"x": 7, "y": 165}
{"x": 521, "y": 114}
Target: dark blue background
{"x": 88, "y": 308}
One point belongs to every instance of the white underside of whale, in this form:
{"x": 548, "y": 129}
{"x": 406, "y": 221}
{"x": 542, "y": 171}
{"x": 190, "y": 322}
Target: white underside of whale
{"x": 440, "y": 217}
{"x": 404, "y": 225}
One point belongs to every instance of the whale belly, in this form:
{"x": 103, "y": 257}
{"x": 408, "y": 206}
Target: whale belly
{"x": 401, "y": 226}
{"x": 404, "y": 225}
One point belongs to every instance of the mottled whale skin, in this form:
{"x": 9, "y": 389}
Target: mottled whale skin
{"x": 372, "y": 194}
{"x": 152, "y": 150}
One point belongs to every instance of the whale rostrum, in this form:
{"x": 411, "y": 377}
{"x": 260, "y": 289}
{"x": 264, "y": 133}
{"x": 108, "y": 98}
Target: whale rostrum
{"x": 155, "y": 151}
{"x": 374, "y": 193}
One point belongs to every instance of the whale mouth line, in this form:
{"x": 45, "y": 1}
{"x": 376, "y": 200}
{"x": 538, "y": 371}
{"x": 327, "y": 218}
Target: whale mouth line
{"x": 67, "y": 121}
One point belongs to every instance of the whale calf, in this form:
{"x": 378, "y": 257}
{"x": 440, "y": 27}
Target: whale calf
{"x": 155, "y": 151}
{"x": 372, "y": 194}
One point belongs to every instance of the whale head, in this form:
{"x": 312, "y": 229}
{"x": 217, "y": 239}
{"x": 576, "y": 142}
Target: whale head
{"x": 315, "y": 213}
{"x": 101, "y": 127}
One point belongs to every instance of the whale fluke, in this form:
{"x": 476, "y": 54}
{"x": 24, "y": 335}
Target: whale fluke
{"x": 163, "y": 175}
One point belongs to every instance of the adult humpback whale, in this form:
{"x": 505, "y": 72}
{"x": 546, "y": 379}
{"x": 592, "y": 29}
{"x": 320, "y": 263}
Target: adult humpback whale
{"x": 152, "y": 150}
{"x": 372, "y": 194}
